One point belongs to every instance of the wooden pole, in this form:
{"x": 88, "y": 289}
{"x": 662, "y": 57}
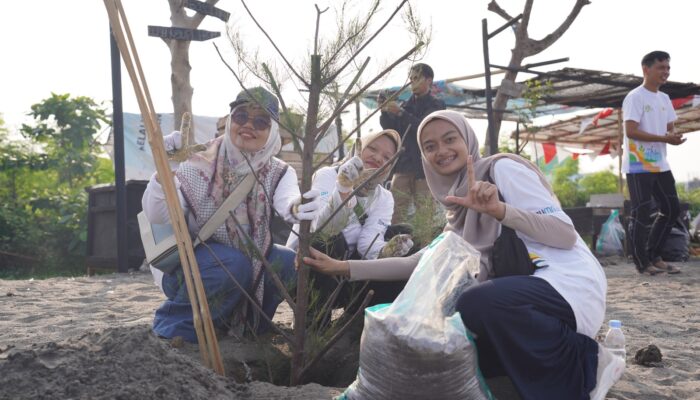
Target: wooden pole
{"x": 474, "y": 76}
{"x": 620, "y": 154}
{"x": 208, "y": 345}
{"x": 491, "y": 131}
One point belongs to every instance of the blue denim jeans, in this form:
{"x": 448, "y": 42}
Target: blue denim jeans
{"x": 174, "y": 316}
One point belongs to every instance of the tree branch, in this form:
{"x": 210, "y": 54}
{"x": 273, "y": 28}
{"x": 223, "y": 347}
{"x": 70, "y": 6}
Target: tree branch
{"x": 381, "y": 28}
{"x": 339, "y": 108}
{"x": 267, "y": 195}
{"x": 318, "y": 323}
{"x": 359, "y": 187}
{"x": 318, "y": 23}
{"x": 379, "y": 107}
{"x": 285, "y": 110}
{"x": 330, "y": 120}
{"x": 268, "y": 268}
{"x": 248, "y": 296}
{"x": 240, "y": 82}
{"x": 495, "y": 8}
{"x": 289, "y": 65}
{"x": 338, "y": 335}
{"x": 352, "y": 36}
{"x": 538, "y": 46}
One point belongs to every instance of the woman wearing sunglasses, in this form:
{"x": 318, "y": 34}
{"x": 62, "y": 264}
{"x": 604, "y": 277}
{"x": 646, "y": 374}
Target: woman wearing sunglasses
{"x": 204, "y": 181}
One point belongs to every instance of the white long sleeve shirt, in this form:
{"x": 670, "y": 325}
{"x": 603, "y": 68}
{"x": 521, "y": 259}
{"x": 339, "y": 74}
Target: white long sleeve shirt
{"x": 367, "y": 238}
{"x": 532, "y": 212}
{"x": 156, "y": 209}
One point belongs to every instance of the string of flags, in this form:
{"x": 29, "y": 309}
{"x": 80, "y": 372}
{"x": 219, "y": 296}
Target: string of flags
{"x": 549, "y": 155}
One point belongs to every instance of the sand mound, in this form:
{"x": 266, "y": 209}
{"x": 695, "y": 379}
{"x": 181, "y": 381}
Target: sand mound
{"x": 119, "y": 363}
{"x": 125, "y": 363}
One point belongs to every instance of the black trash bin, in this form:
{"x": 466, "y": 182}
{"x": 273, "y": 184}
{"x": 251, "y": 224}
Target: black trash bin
{"x": 102, "y": 226}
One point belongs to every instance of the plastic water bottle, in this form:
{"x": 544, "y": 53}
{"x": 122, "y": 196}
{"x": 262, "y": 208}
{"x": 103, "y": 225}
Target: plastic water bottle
{"x": 615, "y": 339}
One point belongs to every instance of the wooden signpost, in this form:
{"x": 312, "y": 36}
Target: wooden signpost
{"x": 165, "y": 32}
{"x": 207, "y": 9}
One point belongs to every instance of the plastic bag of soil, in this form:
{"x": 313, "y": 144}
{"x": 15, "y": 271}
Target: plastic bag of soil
{"x": 417, "y": 347}
{"x": 612, "y": 234}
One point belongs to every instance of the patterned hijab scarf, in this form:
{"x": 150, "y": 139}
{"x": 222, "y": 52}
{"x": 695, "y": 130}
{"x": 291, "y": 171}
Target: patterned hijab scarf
{"x": 208, "y": 178}
{"x": 480, "y": 230}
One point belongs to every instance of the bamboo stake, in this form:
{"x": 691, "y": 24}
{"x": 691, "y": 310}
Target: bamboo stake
{"x": 204, "y": 328}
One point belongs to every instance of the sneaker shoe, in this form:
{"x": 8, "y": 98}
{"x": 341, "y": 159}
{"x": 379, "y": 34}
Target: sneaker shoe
{"x": 610, "y": 369}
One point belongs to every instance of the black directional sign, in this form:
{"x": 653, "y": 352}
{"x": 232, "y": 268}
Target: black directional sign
{"x": 181, "y": 33}
{"x": 207, "y": 9}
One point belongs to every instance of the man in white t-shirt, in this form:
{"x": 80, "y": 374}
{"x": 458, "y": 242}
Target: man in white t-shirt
{"x": 649, "y": 117}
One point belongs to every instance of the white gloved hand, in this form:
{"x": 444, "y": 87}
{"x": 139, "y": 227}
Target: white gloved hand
{"x": 348, "y": 173}
{"x": 307, "y": 211}
{"x": 398, "y": 246}
{"x": 172, "y": 142}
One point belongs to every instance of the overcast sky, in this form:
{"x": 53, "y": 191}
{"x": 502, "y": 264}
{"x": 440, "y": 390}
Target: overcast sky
{"x": 63, "y": 47}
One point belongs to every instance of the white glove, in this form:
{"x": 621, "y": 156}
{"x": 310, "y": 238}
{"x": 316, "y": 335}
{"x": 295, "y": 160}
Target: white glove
{"x": 307, "y": 211}
{"x": 172, "y": 142}
{"x": 398, "y": 246}
{"x": 348, "y": 173}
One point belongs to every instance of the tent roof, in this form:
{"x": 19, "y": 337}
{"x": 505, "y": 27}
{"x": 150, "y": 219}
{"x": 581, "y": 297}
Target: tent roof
{"x": 572, "y": 90}
{"x": 470, "y": 102}
{"x": 566, "y": 132}
{"x": 577, "y": 87}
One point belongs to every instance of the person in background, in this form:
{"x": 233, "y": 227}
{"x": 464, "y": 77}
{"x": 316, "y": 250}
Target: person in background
{"x": 408, "y": 184}
{"x": 536, "y": 329}
{"x": 203, "y": 183}
{"x": 648, "y": 114}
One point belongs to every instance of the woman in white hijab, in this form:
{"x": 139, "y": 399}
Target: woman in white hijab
{"x": 204, "y": 181}
{"x": 358, "y": 230}
{"x": 362, "y": 222}
{"x": 537, "y": 329}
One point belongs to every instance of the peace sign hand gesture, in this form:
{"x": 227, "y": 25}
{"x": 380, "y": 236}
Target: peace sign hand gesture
{"x": 482, "y": 196}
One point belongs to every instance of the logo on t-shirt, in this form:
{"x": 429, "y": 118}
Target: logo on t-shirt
{"x": 548, "y": 210}
{"x": 538, "y": 261}
{"x": 647, "y": 108}
{"x": 644, "y": 157}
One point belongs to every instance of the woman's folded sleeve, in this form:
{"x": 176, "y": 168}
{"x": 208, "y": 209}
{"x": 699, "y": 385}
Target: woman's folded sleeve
{"x": 384, "y": 269}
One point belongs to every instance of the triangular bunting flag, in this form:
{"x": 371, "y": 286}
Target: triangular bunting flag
{"x": 678, "y": 103}
{"x": 696, "y": 100}
{"x": 584, "y": 124}
{"x": 603, "y": 114}
{"x": 550, "y": 151}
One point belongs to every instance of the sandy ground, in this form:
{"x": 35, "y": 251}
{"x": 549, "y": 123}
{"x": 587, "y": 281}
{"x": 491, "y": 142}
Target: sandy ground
{"x": 88, "y": 337}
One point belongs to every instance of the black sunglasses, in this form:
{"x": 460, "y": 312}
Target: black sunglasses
{"x": 260, "y": 122}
